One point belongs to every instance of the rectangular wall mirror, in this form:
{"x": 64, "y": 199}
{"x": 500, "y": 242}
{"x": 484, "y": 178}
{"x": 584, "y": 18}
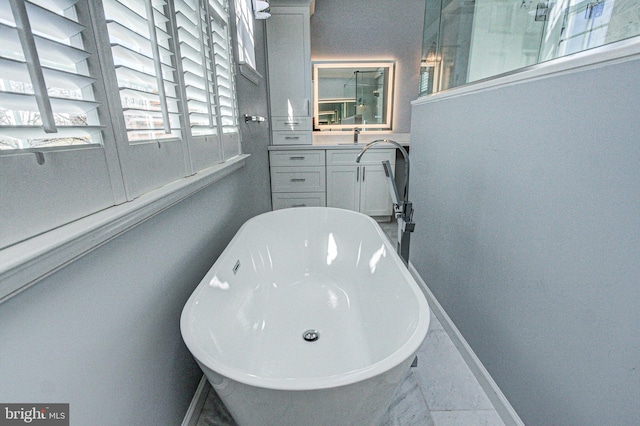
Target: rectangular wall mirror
{"x": 353, "y": 94}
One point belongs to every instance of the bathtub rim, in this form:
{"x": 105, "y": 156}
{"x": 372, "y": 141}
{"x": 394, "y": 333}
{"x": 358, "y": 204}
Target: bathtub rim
{"x": 401, "y": 354}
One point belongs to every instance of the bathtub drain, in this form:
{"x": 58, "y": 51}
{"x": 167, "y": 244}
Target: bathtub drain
{"x": 311, "y": 335}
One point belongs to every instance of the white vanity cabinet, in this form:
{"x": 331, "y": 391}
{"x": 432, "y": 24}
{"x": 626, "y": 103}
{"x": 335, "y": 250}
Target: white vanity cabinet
{"x": 360, "y": 186}
{"x": 298, "y": 178}
{"x": 289, "y": 67}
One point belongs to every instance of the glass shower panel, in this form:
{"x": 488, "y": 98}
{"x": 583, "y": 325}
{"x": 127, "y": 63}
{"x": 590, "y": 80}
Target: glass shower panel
{"x": 471, "y": 40}
{"x": 454, "y": 43}
{"x": 506, "y": 36}
{"x": 577, "y": 25}
{"x": 430, "y": 41}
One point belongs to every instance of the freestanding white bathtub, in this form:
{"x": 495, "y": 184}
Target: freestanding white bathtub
{"x": 309, "y": 317}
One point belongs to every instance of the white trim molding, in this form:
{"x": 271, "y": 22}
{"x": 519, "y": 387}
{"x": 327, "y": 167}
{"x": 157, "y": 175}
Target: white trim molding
{"x": 197, "y": 402}
{"x": 250, "y": 73}
{"x": 495, "y": 395}
{"x": 25, "y": 263}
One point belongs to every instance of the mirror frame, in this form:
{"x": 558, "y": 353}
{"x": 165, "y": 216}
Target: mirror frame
{"x": 388, "y": 65}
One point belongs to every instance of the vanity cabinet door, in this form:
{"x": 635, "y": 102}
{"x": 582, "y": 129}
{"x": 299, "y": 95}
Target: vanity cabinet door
{"x": 375, "y": 199}
{"x": 343, "y": 187}
{"x": 361, "y": 187}
{"x": 289, "y": 62}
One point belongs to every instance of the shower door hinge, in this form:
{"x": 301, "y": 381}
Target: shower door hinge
{"x": 542, "y": 12}
{"x": 594, "y": 9}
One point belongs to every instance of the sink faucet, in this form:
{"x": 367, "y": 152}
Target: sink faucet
{"x": 403, "y": 210}
{"x": 356, "y": 132}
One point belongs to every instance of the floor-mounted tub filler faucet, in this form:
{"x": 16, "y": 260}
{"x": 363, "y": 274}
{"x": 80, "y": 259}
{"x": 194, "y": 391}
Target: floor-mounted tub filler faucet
{"x": 403, "y": 210}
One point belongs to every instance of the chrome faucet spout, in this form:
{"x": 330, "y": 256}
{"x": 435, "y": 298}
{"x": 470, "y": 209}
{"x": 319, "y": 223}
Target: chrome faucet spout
{"x": 405, "y": 154}
{"x": 403, "y": 210}
{"x": 356, "y": 132}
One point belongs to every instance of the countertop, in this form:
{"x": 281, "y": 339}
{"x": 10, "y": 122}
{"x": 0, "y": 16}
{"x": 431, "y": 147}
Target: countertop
{"x": 344, "y": 140}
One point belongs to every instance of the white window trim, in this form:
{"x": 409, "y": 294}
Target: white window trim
{"x": 250, "y": 73}
{"x": 24, "y": 264}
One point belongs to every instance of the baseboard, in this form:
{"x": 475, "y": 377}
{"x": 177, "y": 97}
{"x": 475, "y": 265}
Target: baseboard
{"x": 495, "y": 395}
{"x": 197, "y": 402}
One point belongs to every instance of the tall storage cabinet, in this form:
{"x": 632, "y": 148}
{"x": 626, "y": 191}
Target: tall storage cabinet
{"x": 289, "y": 68}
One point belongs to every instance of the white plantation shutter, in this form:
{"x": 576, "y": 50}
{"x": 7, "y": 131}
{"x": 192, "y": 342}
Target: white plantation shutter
{"x": 114, "y": 97}
{"x": 52, "y": 101}
{"x": 140, "y": 44}
{"x": 225, "y": 76}
{"x": 197, "y": 67}
{"x": 220, "y": 8}
{"x": 46, "y": 94}
{"x": 138, "y": 58}
{"x": 225, "y": 79}
{"x": 206, "y": 66}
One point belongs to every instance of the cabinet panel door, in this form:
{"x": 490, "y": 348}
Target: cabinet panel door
{"x": 375, "y": 199}
{"x": 343, "y": 187}
{"x": 289, "y": 81}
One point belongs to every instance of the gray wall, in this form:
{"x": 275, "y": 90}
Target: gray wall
{"x": 358, "y": 30}
{"x": 103, "y": 333}
{"x": 527, "y": 203}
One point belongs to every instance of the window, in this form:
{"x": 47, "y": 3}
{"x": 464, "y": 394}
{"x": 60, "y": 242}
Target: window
{"x": 198, "y": 67}
{"x": 246, "y": 41}
{"x": 244, "y": 25}
{"x": 226, "y": 82}
{"x": 46, "y": 93}
{"x": 204, "y": 40}
{"x": 57, "y": 157}
{"x": 143, "y": 58}
{"x": 104, "y": 100}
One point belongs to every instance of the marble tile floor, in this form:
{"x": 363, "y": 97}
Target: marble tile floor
{"x": 440, "y": 391}
{"x": 391, "y": 230}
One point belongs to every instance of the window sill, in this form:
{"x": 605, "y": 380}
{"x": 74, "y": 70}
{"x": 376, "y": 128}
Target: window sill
{"x": 26, "y": 263}
{"x": 249, "y": 73}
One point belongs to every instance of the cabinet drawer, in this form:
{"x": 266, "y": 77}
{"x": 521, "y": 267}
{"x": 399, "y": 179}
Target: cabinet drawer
{"x": 347, "y": 157}
{"x": 291, "y": 124}
{"x": 292, "y": 138}
{"x": 297, "y": 179}
{"x": 285, "y": 200}
{"x": 297, "y": 158}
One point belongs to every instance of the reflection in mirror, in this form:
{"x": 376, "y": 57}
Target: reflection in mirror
{"x": 352, "y": 95}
